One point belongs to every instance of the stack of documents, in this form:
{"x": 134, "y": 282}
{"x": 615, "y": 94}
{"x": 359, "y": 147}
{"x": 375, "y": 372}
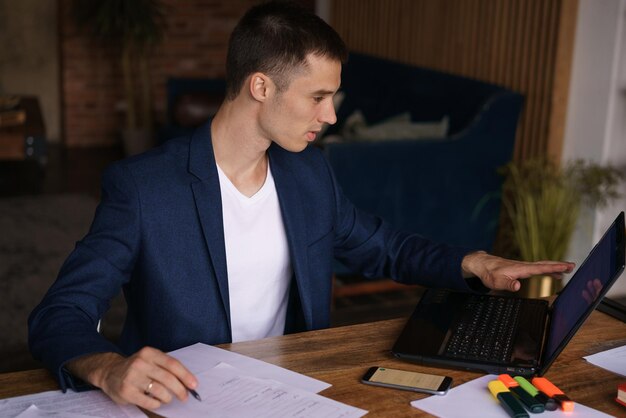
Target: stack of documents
{"x": 230, "y": 392}
{"x": 66, "y": 405}
{"x": 230, "y": 385}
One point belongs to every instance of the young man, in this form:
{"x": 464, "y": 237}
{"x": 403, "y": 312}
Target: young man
{"x": 229, "y": 235}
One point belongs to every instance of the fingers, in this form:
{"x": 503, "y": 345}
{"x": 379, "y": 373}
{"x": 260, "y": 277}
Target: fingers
{"x": 153, "y": 398}
{"x": 136, "y": 390}
{"x": 158, "y": 392}
{"x": 502, "y": 274}
{"x": 499, "y": 281}
{"x": 176, "y": 368}
{"x": 510, "y": 274}
{"x": 170, "y": 383}
{"x": 505, "y": 282}
{"x": 170, "y": 373}
{"x": 540, "y": 267}
{"x": 148, "y": 379}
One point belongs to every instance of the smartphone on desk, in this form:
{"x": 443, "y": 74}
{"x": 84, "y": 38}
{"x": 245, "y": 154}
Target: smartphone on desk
{"x": 402, "y": 379}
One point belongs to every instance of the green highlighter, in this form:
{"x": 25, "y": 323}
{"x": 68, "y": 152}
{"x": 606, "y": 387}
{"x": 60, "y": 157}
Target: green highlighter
{"x": 549, "y": 403}
{"x": 528, "y": 400}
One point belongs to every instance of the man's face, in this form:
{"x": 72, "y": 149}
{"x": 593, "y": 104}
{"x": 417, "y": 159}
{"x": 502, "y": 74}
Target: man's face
{"x": 293, "y": 118}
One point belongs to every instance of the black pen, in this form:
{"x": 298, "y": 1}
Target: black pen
{"x": 194, "y": 394}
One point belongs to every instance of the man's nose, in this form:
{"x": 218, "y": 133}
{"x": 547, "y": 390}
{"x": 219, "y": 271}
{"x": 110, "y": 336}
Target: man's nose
{"x": 328, "y": 113}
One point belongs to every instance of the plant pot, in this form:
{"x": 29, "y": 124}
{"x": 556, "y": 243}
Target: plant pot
{"x": 136, "y": 141}
{"x": 541, "y": 286}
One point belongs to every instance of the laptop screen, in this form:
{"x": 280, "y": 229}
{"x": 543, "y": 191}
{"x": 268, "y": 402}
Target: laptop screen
{"x": 587, "y": 285}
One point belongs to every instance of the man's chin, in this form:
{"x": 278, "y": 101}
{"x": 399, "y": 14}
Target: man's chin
{"x": 293, "y": 147}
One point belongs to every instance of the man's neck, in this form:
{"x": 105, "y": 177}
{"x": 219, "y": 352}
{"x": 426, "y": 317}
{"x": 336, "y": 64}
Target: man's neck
{"x": 239, "y": 150}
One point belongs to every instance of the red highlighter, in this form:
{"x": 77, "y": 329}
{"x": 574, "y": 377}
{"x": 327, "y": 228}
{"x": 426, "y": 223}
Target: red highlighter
{"x": 552, "y": 391}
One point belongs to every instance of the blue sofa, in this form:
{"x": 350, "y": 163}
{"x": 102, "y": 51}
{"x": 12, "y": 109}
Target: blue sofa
{"x": 190, "y": 102}
{"x": 447, "y": 189}
{"x": 444, "y": 188}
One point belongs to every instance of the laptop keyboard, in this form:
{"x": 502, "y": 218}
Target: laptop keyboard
{"x": 486, "y": 329}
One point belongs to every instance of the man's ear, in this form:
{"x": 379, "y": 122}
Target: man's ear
{"x": 260, "y": 86}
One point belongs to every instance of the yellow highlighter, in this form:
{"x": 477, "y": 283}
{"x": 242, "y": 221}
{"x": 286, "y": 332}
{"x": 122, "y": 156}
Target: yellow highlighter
{"x": 507, "y": 400}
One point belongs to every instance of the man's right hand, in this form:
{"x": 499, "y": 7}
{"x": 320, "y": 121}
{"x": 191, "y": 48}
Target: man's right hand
{"x": 147, "y": 379}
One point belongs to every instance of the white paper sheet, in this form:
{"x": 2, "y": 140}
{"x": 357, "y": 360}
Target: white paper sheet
{"x": 228, "y": 392}
{"x": 613, "y": 360}
{"x": 93, "y": 403}
{"x": 200, "y": 357}
{"x": 34, "y": 412}
{"x": 473, "y": 400}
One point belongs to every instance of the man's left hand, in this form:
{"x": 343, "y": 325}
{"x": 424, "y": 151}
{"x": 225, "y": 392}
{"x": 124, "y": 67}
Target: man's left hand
{"x": 501, "y": 274}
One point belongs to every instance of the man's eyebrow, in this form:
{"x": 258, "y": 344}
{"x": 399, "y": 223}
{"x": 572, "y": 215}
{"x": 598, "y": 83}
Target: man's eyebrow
{"x": 323, "y": 92}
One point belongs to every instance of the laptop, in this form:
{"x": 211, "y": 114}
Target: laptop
{"x": 505, "y": 334}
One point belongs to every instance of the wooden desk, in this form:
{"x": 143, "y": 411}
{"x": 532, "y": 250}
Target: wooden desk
{"x": 340, "y": 356}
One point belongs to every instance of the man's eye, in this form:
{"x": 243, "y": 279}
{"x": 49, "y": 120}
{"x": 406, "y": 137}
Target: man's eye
{"x": 318, "y": 99}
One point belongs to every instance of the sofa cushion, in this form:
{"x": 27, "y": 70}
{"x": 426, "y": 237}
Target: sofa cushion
{"x": 398, "y": 127}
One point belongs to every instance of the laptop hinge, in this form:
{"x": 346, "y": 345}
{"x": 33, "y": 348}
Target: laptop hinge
{"x": 544, "y": 340}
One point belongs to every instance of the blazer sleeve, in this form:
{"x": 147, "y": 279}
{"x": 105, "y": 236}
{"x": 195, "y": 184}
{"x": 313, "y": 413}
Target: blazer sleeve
{"x": 371, "y": 246}
{"x": 64, "y": 325}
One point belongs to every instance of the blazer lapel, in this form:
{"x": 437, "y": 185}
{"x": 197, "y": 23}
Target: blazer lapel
{"x": 206, "y": 192}
{"x": 295, "y": 223}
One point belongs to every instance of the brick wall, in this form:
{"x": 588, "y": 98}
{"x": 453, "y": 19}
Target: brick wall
{"x": 92, "y": 95}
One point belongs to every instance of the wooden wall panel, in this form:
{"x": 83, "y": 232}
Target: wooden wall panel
{"x": 525, "y": 45}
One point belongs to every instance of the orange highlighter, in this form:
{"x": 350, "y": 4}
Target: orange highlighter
{"x": 552, "y": 391}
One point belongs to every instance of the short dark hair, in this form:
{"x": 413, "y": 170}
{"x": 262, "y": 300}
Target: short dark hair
{"x": 275, "y": 38}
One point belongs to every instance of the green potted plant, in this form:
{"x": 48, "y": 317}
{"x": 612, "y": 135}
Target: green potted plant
{"x": 135, "y": 26}
{"x": 542, "y": 203}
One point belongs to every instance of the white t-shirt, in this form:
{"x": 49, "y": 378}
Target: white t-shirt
{"x": 257, "y": 260}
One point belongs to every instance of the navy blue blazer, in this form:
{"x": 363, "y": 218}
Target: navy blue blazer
{"x": 158, "y": 234}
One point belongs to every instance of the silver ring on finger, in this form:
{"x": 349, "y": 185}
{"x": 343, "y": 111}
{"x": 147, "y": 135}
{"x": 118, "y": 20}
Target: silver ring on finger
{"x": 148, "y": 391}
